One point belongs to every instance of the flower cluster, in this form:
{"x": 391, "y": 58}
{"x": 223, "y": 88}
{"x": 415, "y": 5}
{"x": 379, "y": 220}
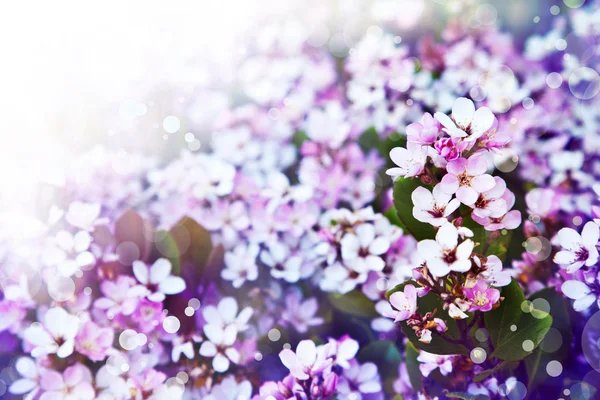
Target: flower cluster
{"x": 406, "y": 219}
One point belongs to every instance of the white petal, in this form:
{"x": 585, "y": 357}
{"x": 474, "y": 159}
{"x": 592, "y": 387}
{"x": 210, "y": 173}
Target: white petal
{"x": 172, "y": 285}
{"x": 445, "y": 120}
{"x": 590, "y": 234}
{"x": 575, "y": 289}
{"x": 463, "y": 110}
{"x": 214, "y": 333}
{"x": 229, "y": 335}
{"x": 429, "y": 249}
{"x": 228, "y": 309}
{"x": 140, "y": 270}
{"x": 482, "y": 121}
{"x": 379, "y": 246}
{"x": 306, "y": 352}
{"x": 160, "y": 270}
{"x": 220, "y": 363}
{"x": 584, "y": 303}
{"x": 447, "y": 236}
{"x": 569, "y": 239}
{"x": 366, "y": 234}
{"x": 208, "y": 349}
{"x": 22, "y": 386}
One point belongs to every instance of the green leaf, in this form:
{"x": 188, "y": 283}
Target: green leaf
{"x": 193, "y": 242}
{"x": 490, "y": 243}
{"x": 412, "y": 366}
{"x": 299, "y": 138}
{"x": 560, "y": 330}
{"x": 460, "y": 395}
{"x": 166, "y": 247}
{"x": 403, "y": 189}
{"x": 370, "y": 140}
{"x": 429, "y": 303}
{"x": 354, "y": 303}
{"x": 509, "y": 343}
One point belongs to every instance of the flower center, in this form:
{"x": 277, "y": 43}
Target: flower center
{"x": 449, "y": 256}
{"x": 464, "y": 179}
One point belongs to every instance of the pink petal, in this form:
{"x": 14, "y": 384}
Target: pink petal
{"x": 467, "y": 195}
{"x": 449, "y": 184}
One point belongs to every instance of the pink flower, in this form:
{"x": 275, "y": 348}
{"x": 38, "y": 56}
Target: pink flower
{"x": 510, "y": 220}
{"x": 93, "y": 341}
{"x": 450, "y": 148}
{"x": 307, "y": 361}
{"x": 467, "y": 178}
{"x": 405, "y": 302}
{"x": 579, "y": 250}
{"x": 118, "y": 298}
{"x": 490, "y": 203}
{"x": 444, "y": 254}
{"x": 149, "y": 380}
{"x": 410, "y": 161}
{"x": 493, "y": 273}
{"x": 466, "y": 122}
{"x": 148, "y": 315}
{"x": 425, "y": 132}
{"x": 481, "y": 296}
{"x": 543, "y": 202}
{"x": 433, "y": 208}
{"x": 431, "y": 362}
{"x": 74, "y": 384}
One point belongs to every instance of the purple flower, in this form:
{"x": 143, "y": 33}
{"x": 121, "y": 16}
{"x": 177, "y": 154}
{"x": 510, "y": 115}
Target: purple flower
{"x": 467, "y": 178}
{"x": 481, "y": 296}
{"x": 578, "y": 250}
{"x": 300, "y": 314}
{"x": 148, "y": 315}
{"x": 450, "y": 148}
{"x": 405, "y": 302}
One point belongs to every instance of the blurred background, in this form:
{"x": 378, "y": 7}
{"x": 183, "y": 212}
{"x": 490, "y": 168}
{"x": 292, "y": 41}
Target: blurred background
{"x": 150, "y": 77}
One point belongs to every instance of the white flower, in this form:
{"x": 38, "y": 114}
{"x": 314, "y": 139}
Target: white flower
{"x": 219, "y": 346}
{"x": 240, "y": 265}
{"x": 580, "y": 292}
{"x": 579, "y": 250}
{"x": 433, "y": 208}
{"x": 430, "y": 362}
{"x": 83, "y": 215}
{"x": 282, "y": 264}
{"x": 444, "y": 254}
{"x": 466, "y": 122}
{"x": 358, "y": 380}
{"x": 185, "y": 347}
{"x": 328, "y": 126}
{"x": 70, "y": 253}
{"x": 29, "y": 383}
{"x": 410, "y": 161}
{"x": 307, "y": 361}
{"x": 226, "y": 313}
{"x": 230, "y": 389}
{"x": 55, "y": 336}
{"x": 361, "y": 250}
{"x": 157, "y": 279}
